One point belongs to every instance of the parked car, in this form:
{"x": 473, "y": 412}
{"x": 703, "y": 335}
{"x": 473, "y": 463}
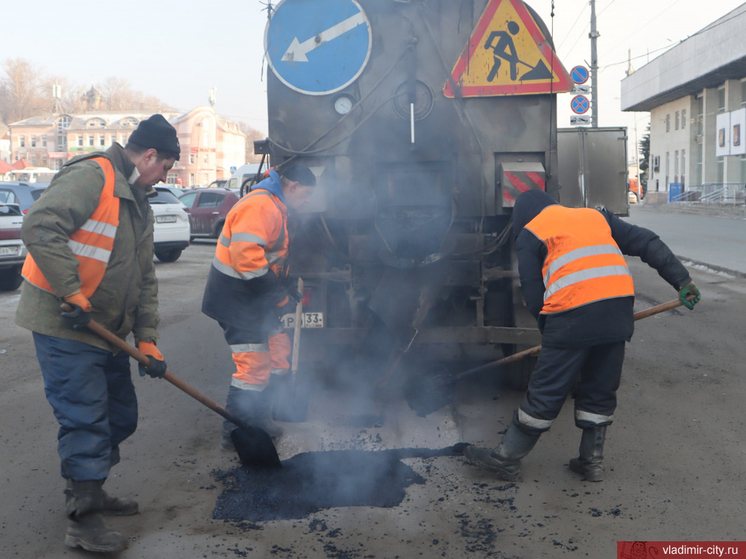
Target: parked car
{"x": 242, "y": 174}
{"x": 22, "y": 193}
{"x": 175, "y": 190}
{"x": 12, "y": 251}
{"x": 220, "y": 183}
{"x": 171, "y": 231}
{"x": 207, "y": 209}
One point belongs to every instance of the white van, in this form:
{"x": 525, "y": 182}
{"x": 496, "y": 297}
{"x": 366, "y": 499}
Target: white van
{"x": 242, "y": 174}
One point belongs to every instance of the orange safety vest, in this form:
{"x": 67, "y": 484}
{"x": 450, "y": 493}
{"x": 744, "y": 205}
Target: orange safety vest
{"x": 583, "y": 263}
{"x": 257, "y": 255}
{"x": 92, "y": 243}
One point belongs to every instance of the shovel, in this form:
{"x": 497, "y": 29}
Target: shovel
{"x": 291, "y": 403}
{"x": 253, "y": 445}
{"x": 430, "y": 391}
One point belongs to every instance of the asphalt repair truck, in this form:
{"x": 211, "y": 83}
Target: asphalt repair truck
{"x": 422, "y": 120}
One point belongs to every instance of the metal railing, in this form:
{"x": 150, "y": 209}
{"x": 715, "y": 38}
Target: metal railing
{"x": 728, "y": 193}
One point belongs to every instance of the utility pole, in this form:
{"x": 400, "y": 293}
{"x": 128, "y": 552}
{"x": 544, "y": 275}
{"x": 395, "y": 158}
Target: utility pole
{"x": 594, "y": 66}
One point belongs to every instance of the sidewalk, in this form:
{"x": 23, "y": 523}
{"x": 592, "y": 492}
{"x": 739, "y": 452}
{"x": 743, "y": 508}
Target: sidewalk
{"x": 711, "y": 240}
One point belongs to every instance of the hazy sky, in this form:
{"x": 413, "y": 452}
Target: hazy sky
{"x": 178, "y": 50}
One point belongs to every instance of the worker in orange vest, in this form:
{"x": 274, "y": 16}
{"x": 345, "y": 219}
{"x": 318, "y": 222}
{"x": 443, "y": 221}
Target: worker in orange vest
{"x": 90, "y": 244}
{"x": 248, "y": 290}
{"x": 577, "y": 284}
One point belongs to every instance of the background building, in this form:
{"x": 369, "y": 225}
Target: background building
{"x": 696, "y": 95}
{"x": 210, "y": 146}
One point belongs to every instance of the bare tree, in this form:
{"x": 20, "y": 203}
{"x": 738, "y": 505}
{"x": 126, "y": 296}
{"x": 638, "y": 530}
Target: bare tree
{"x": 19, "y": 91}
{"x": 251, "y": 135}
{"x": 119, "y": 96}
{"x": 26, "y": 92}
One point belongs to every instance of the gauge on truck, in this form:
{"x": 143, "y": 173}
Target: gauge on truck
{"x": 343, "y": 104}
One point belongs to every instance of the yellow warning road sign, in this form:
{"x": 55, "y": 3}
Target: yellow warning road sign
{"x": 507, "y": 54}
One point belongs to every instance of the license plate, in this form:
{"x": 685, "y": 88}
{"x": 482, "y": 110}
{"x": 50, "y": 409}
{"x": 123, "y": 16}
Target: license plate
{"x": 166, "y": 219}
{"x": 9, "y": 251}
{"x": 310, "y": 320}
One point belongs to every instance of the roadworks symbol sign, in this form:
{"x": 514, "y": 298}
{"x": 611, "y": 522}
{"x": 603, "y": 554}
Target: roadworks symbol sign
{"x": 507, "y": 54}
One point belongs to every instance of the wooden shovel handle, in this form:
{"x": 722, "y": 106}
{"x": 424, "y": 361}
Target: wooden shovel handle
{"x": 296, "y": 329}
{"x": 119, "y": 343}
{"x": 536, "y": 349}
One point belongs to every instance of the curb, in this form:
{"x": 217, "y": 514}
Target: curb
{"x": 714, "y": 267}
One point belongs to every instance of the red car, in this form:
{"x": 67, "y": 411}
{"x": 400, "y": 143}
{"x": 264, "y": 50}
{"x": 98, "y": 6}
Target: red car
{"x": 207, "y": 209}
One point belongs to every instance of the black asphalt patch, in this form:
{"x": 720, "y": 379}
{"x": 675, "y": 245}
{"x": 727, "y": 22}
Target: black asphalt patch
{"x": 313, "y": 481}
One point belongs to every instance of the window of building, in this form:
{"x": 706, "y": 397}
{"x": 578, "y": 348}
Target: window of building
{"x": 61, "y": 143}
{"x": 130, "y": 121}
{"x": 101, "y": 140}
{"x": 683, "y": 167}
{"x": 44, "y": 141}
{"x": 90, "y": 140}
{"x": 33, "y": 141}
{"x": 668, "y": 123}
{"x": 112, "y": 139}
{"x": 683, "y": 118}
{"x": 205, "y": 158}
{"x": 668, "y": 167}
{"x": 676, "y": 120}
{"x": 191, "y": 159}
{"x": 21, "y": 141}
{"x": 63, "y": 123}
{"x": 721, "y": 99}
{"x": 191, "y": 179}
{"x": 96, "y": 123}
{"x": 80, "y": 140}
{"x": 124, "y": 139}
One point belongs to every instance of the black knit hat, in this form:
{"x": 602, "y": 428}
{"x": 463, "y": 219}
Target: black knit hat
{"x": 157, "y": 133}
{"x": 299, "y": 172}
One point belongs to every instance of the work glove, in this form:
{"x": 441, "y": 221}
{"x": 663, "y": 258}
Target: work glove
{"x": 294, "y": 297}
{"x": 80, "y": 315}
{"x": 157, "y": 367}
{"x": 688, "y": 291}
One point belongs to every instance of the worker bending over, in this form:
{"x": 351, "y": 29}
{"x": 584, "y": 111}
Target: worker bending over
{"x": 248, "y": 290}
{"x": 90, "y": 244}
{"x": 577, "y": 284}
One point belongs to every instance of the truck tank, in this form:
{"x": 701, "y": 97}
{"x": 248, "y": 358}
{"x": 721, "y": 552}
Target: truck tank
{"x": 422, "y": 121}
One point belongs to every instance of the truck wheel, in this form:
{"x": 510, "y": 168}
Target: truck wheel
{"x": 168, "y": 255}
{"x": 10, "y": 279}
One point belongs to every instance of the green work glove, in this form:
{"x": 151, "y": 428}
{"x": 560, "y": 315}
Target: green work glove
{"x": 688, "y": 291}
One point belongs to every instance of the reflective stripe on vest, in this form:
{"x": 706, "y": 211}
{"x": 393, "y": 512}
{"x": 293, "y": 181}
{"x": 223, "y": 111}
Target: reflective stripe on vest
{"x": 583, "y": 263}
{"x": 276, "y": 256}
{"x": 92, "y": 243}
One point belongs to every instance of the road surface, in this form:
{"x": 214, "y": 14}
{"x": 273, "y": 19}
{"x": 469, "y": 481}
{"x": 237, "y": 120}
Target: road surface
{"x": 674, "y": 457}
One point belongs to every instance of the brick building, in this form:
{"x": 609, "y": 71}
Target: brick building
{"x": 210, "y": 145}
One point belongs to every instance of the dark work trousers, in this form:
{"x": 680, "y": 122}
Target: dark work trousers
{"x": 600, "y": 370}
{"x": 93, "y": 398}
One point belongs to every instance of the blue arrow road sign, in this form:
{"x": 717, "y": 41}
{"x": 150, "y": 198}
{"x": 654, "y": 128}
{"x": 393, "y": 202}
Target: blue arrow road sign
{"x": 579, "y": 74}
{"x": 580, "y": 104}
{"x": 318, "y": 47}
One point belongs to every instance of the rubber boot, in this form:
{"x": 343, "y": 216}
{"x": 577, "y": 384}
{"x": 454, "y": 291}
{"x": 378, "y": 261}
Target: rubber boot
{"x": 114, "y": 506}
{"x": 277, "y": 384}
{"x": 86, "y": 528}
{"x": 589, "y": 463}
{"x": 253, "y": 407}
{"x": 262, "y": 416}
{"x": 505, "y": 460}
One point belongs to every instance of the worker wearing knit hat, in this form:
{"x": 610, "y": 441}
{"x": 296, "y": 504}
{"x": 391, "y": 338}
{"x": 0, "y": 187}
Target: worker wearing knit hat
{"x": 157, "y": 133}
